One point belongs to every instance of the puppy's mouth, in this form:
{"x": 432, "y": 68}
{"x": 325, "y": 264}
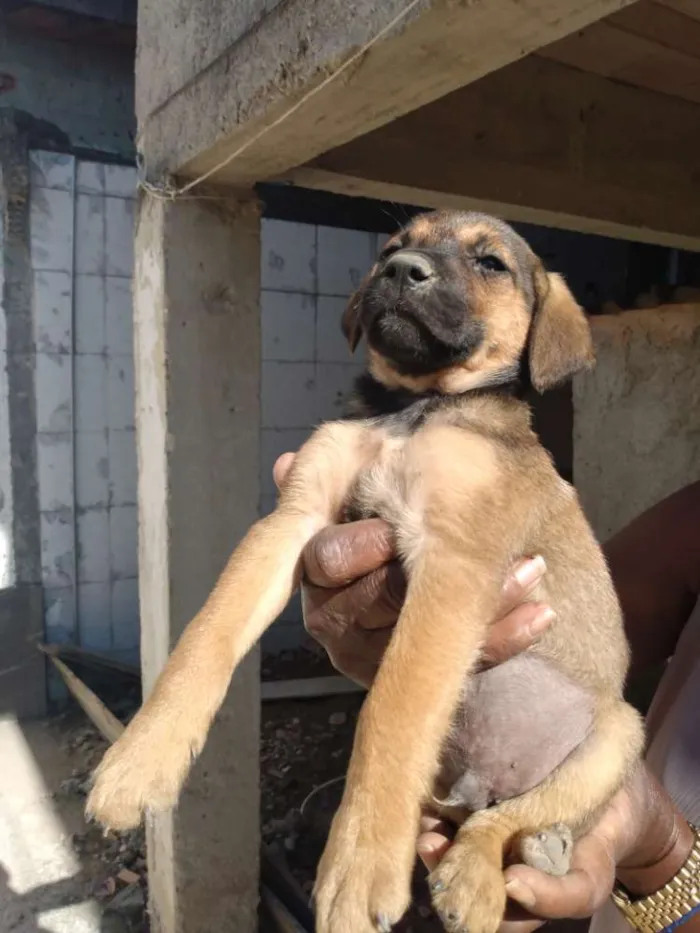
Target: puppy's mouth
{"x": 414, "y": 340}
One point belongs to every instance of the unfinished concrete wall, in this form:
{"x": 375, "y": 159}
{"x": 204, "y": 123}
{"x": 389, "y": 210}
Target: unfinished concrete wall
{"x": 637, "y": 415}
{"x": 83, "y": 95}
{"x": 22, "y": 689}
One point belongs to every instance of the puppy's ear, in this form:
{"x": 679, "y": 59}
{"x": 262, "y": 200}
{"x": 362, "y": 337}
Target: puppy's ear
{"x": 560, "y": 339}
{"x": 350, "y": 321}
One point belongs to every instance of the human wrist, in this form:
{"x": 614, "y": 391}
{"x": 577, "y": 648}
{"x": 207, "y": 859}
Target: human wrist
{"x": 657, "y": 849}
{"x": 645, "y": 877}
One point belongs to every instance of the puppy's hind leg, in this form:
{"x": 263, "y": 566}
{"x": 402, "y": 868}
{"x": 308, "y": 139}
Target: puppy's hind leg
{"x": 571, "y": 795}
{"x": 147, "y": 767}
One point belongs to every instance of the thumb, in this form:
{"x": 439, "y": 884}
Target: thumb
{"x": 281, "y": 469}
{"x": 578, "y": 894}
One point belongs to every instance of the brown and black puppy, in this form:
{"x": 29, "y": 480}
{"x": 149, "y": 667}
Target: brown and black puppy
{"x": 460, "y": 318}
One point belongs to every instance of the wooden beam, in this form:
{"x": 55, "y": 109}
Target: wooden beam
{"x": 235, "y": 107}
{"x": 612, "y": 52}
{"x": 542, "y": 143}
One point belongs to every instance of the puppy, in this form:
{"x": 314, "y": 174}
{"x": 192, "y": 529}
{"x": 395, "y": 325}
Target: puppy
{"x": 461, "y": 320}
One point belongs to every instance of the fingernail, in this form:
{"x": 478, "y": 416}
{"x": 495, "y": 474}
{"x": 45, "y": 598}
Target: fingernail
{"x": 517, "y": 891}
{"x": 531, "y": 572}
{"x": 542, "y": 620}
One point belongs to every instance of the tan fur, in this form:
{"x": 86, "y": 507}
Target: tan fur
{"x": 467, "y": 493}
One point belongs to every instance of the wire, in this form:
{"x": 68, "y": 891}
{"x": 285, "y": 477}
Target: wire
{"x": 168, "y": 192}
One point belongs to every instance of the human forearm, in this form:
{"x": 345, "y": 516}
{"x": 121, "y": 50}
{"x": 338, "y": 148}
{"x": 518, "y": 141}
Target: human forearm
{"x": 655, "y": 565}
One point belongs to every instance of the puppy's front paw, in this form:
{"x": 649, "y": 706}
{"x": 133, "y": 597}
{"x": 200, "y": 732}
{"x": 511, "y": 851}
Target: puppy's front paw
{"x": 136, "y": 774}
{"x": 363, "y": 884}
{"x": 468, "y": 888}
{"x": 548, "y": 850}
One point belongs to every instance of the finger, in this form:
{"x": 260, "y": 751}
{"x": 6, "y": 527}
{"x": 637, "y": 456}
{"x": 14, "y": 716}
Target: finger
{"x": 434, "y": 840}
{"x": 281, "y": 468}
{"x": 518, "y": 920}
{"x": 576, "y": 895}
{"x": 429, "y": 823}
{"x": 516, "y": 632}
{"x": 339, "y": 554}
{"x": 432, "y": 848}
{"x": 372, "y": 602}
{"x": 521, "y": 581}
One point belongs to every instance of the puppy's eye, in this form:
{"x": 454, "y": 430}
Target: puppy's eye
{"x": 390, "y": 250}
{"x": 491, "y": 264}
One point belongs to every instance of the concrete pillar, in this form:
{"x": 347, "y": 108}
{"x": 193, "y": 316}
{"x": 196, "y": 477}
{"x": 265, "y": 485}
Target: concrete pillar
{"x": 637, "y": 414}
{"x": 23, "y": 681}
{"x": 197, "y": 327}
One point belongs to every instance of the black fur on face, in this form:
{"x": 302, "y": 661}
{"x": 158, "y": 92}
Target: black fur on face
{"x": 421, "y": 307}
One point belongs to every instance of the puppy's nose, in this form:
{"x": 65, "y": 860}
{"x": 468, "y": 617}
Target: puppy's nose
{"x": 408, "y": 267}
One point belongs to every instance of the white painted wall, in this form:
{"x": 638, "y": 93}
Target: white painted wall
{"x": 82, "y": 259}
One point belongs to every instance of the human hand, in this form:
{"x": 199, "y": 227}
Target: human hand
{"x": 641, "y": 839}
{"x": 354, "y": 587}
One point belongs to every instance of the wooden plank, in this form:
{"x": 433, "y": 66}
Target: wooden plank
{"x": 660, "y": 25}
{"x": 605, "y": 50}
{"x": 542, "y": 143}
{"x": 104, "y": 720}
{"x": 689, "y": 8}
{"x": 236, "y": 109}
{"x": 307, "y": 688}
{"x": 68, "y": 652}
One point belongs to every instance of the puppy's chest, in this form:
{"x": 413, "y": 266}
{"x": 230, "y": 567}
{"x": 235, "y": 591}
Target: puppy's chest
{"x": 383, "y": 490}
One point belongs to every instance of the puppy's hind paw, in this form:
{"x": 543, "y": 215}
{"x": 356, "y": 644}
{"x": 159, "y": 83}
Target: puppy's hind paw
{"x": 548, "y": 850}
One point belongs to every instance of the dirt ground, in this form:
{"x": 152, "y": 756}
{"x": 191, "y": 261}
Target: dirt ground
{"x": 305, "y": 747}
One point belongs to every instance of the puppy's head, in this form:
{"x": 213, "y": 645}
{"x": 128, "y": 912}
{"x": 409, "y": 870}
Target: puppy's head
{"x": 457, "y": 301}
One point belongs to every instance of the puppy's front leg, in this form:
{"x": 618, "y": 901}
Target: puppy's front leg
{"x": 148, "y": 765}
{"x": 456, "y": 560}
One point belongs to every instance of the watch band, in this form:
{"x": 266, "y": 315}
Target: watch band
{"x": 670, "y": 905}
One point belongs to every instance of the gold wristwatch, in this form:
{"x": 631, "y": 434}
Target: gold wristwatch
{"x": 671, "y": 904}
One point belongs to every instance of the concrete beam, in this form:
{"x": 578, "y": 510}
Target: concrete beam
{"x": 197, "y": 347}
{"x": 537, "y": 142}
{"x": 189, "y": 123}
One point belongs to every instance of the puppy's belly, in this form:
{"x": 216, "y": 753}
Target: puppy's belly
{"x": 516, "y": 724}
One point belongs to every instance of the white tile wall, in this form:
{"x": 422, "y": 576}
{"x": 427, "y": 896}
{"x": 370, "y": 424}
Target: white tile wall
{"x": 51, "y": 170}
{"x": 82, "y": 252}
{"x": 120, "y": 392}
{"x": 51, "y": 221}
{"x": 307, "y": 275}
{"x": 288, "y": 324}
{"x": 89, "y": 310}
{"x": 53, "y": 312}
{"x": 82, "y": 256}
{"x": 344, "y": 258}
{"x": 288, "y": 260}
{"x": 55, "y": 470}
{"x": 92, "y": 469}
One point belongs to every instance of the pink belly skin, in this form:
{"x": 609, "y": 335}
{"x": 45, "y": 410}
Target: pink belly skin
{"x": 516, "y": 724}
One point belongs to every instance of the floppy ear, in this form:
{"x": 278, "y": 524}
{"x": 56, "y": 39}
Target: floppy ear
{"x": 560, "y": 339}
{"x": 350, "y": 321}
